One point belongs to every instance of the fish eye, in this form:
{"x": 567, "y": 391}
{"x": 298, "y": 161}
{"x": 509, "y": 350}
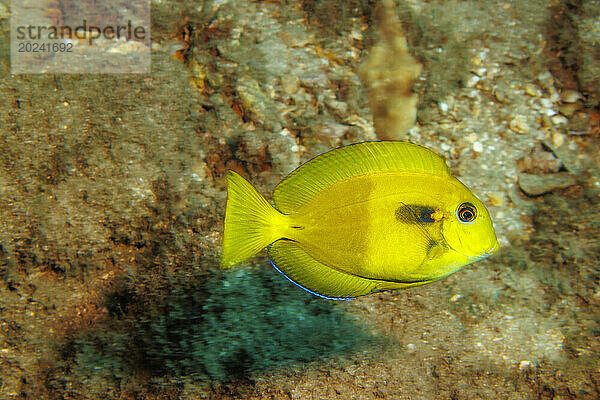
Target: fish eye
{"x": 466, "y": 212}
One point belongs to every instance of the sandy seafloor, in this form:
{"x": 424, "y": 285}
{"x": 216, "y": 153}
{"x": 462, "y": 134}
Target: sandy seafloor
{"x": 112, "y": 196}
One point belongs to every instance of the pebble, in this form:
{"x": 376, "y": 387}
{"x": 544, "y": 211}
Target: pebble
{"x": 535, "y": 185}
{"x": 455, "y": 297}
{"x": 570, "y": 96}
{"x": 481, "y": 72}
{"x": 546, "y": 80}
{"x": 559, "y": 120}
{"x": 496, "y": 199}
{"x": 569, "y": 109}
{"x": 290, "y": 83}
{"x": 558, "y": 139}
{"x": 524, "y": 364}
{"x": 546, "y": 103}
{"x": 568, "y": 155}
{"x": 532, "y": 90}
{"x": 554, "y": 96}
{"x": 579, "y": 123}
{"x": 478, "y": 147}
{"x": 128, "y": 48}
{"x": 519, "y": 124}
{"x": 502, "y": 92}
{"x": 472, "y": 81}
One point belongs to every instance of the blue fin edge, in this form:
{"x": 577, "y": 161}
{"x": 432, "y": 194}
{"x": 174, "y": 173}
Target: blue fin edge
{"x": 308, "y": 290}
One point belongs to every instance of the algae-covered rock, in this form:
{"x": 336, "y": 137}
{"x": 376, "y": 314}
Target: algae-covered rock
{"x": 574, "y": 35}
{"x": 88, "y": 151}
{"x": 255, "y": 101}
{"x": 589, "y": 40}
{"x": 271, "y": 92}
{"x": 535, "y": 185}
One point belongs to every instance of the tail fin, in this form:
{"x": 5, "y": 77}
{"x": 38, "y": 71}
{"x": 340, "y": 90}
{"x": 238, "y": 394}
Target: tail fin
{"x": 251, "y": 223}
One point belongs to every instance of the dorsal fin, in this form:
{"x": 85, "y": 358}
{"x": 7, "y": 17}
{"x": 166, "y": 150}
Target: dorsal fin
{"x": 353, "y": 160}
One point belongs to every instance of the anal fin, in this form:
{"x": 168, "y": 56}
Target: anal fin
{"x": 299, "y": 267}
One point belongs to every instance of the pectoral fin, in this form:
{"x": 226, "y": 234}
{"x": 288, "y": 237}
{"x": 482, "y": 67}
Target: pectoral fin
{"x": 435, "y": 250}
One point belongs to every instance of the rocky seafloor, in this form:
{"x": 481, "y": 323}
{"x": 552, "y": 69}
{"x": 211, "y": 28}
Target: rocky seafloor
{"x": 112, "y": 195}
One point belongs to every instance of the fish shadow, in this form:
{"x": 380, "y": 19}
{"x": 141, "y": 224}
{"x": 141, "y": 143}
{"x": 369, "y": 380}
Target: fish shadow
{"x": 231, "y": 326}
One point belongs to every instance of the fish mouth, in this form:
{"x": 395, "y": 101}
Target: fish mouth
{"x": 486, "y": 253}
{"x": 481, "y": 256}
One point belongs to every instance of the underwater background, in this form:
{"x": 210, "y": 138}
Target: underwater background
{"x": 113, "y": 191}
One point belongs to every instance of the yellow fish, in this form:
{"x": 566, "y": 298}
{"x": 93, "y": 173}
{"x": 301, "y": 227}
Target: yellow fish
{"x": 360, "y": 219}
